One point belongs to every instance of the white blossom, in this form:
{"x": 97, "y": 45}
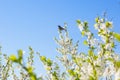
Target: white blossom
{"x": 108, "y": 46}
{"x": 81, "y": 27}
{"x": 103, "y": 26}
{"x": 117, "y": 75}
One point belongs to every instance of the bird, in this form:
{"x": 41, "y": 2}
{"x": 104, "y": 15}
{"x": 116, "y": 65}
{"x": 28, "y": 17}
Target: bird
{"x": 61, "y": 28}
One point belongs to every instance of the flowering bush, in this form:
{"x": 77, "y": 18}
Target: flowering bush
{"x": 101, "y": 62}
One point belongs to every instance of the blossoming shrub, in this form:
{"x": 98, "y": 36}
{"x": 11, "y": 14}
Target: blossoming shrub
{"x": 101, "y": 62}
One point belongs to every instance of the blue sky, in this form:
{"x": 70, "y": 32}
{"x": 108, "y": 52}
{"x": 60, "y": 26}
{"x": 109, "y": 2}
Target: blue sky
{"x": 34, "y": 23}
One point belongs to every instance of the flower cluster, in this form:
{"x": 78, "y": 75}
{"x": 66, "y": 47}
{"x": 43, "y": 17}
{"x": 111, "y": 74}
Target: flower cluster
{"x": 100, "y": 62}
{"x": 102, "y": 57}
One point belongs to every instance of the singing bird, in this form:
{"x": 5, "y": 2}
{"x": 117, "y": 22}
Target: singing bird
{"x": 61, "y": 28}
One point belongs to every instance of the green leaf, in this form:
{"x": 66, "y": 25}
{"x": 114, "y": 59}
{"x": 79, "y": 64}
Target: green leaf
{"x": 97, "y": 19}
{"x": 48, "y": 68}
{"x": 97, "y": 66}
{"x": 30, "y": 69}
{"x": 113, "y": 44}
{"x": 20, "y": 53}
{"x": 94, "y": 72}
{"x": 83, "y": 33}
{"x": 95, "y": 57}
{"x": 117, "y": 64}
{"x": 20, "y": 56}
{"x": 42, "y": 58}
{"x": 117, "y": 36}
{"x": 85, "y": 23}
{"x": 110, "y": 59}
{"x": 30, "y": 48}
{"x": 71, "y": 72}
{"x": 85, "y": 42}
{"x": 108, "y": 24}
{"x": 13, "y": 58}
{"x": 49, "y": 62}
{"x": 90, "y": 53}
{"x": 88, "y": 60}
{"x": 33, "y": 77}
{"x": 91, "y": 78}
{"x": 78, "y": 21}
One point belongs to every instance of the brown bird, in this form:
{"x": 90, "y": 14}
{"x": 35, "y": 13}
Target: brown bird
{"x": 61, "y": 28}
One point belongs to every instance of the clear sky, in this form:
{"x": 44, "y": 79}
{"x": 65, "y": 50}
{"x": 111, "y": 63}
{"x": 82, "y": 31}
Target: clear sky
{"x": 34, "y": 23}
